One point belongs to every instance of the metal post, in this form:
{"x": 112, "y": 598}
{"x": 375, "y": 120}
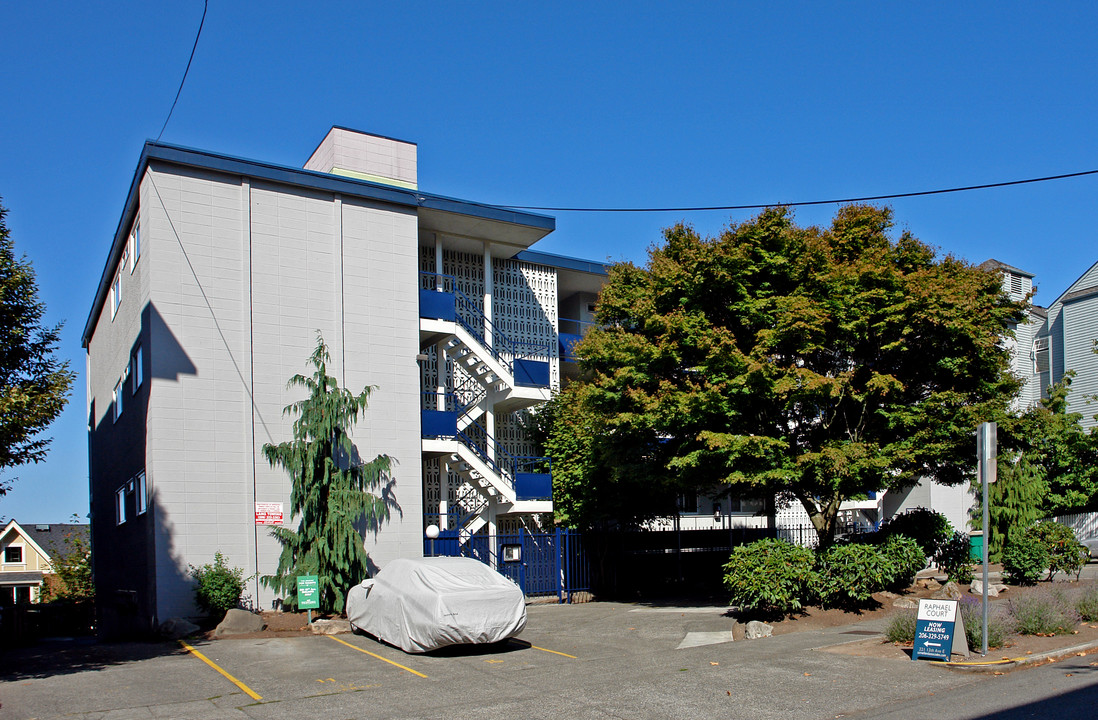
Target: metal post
{"x": 986, "y": 456}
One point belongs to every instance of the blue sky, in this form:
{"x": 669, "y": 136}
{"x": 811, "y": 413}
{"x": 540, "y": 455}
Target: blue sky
{"x": 569, "y": 104}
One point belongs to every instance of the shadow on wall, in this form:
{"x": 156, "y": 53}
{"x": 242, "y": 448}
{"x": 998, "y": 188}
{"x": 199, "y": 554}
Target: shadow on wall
{"x": 132, "y": 548}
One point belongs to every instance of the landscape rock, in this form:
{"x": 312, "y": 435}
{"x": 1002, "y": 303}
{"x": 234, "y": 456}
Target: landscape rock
{"x": 977, "y": 588}
{"x": 888, "y": 595}
{"x": 998, "y": 587}
{"x": 176, "y": 628}
{"x": 928, "y": 582}
{"x": 330, "y": 627}
{"x": 949, "y": 591}
{"x": 756, "y": 630}
{"x": 905, "y": 603}
{"x": 239, "y": 622}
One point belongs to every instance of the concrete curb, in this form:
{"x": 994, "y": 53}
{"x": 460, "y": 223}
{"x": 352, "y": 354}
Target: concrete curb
{"x": 1012, "y": 663}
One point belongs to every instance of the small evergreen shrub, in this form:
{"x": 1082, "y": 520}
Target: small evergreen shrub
{"x": 901, "y": 627}
{"x": 1024, "y": 560}
{"x": 1065, "y": 554}
{"x": 905, "y": 558}
{"x": 972, "y": 613}
{"x": 770, "y": 576}
{"x": 1086, "y": 604}
{"x": 928, "y": 528}
{"x": 1043, "y": 613}
{"x": 218, "y": 587}
{"x": 850, "y": 574}
{"x": 953, "y": 558}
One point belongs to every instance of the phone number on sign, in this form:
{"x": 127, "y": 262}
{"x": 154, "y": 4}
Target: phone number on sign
{"x": 933, "y": 636}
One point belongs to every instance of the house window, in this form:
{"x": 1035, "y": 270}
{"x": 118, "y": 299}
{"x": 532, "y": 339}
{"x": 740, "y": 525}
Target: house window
{"x": 135, "y": 244}
{"x": 116, "y": 293}
{"x": 136, "y": 372}
{"x": 688, "y": 503}
{"x": 120, "y": 505}
{"x": 116, "y": 399}
{"x": 1040, "y": 355}
{"x": 141, "y": 497}
{"x": 13, "y": 554}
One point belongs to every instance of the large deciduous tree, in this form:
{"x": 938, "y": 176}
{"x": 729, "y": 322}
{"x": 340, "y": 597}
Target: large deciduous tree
{"x": 330, "y": 491}
{"x": 811, "y": 363}
{"x": 34, "y": 383}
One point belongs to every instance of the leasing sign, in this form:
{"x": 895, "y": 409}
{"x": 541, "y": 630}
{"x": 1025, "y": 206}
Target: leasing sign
{"x": 939, "y": 630}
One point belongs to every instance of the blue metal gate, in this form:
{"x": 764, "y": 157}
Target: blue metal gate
{"x": 542, "y": 564}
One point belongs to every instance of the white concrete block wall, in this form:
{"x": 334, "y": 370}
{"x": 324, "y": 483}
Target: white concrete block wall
{"x": 381, "y": 311}
{"x": 364, "y": 153}
{"x": 294, "y": 294}
{"x": 199, "y": 433}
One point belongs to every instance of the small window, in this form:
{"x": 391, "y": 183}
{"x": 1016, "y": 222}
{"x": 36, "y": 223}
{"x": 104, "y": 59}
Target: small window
{"x": 116, "y": 400}
{"x": 1040, "y": 356}
{"x": 136, "y": 372}
{"x": 688, "y": 503}
{"x": 116, "y": 293}
{"x": 120, "y": 505}
{"x": 135, "y": 244}
{"x": 141, "y": 496}
{"x": 13, "y": 554}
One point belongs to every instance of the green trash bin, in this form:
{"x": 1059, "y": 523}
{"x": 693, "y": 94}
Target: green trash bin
{"x": 976, "y": 545}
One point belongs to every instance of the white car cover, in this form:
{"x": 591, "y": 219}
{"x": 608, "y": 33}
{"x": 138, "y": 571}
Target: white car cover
{"x": 427, "y": 603}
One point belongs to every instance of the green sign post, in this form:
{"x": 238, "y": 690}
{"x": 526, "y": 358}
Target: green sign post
{"x": 308, "y": 594}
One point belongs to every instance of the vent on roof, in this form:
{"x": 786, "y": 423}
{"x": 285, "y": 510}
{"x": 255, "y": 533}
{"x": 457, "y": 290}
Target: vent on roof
{"x": 42, "y": 528}
{"x": 1015, "y": 285}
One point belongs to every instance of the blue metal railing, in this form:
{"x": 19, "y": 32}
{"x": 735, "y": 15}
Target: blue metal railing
{"x": 529, "y": 476}
{"x": 435, "y": 291}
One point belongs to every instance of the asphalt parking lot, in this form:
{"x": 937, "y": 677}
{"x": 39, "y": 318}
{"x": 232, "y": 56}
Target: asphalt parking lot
{"x": 595, "y": 660}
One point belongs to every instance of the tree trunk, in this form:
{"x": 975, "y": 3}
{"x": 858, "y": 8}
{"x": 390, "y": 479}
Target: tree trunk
{"x": 824, "y": 514}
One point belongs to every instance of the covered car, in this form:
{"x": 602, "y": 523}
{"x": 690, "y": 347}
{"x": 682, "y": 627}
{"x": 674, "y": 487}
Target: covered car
{"x": 423, "y": 604}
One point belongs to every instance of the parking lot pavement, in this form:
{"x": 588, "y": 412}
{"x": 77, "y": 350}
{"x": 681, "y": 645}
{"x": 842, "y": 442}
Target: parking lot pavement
{"x": 596, "y": 660}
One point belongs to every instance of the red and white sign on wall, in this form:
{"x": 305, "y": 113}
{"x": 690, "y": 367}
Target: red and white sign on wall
{"x": 268, "y": 513}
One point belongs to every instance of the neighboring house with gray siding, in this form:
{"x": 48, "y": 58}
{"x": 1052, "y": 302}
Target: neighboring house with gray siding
{"x": 220, "y": 275}
{"x": 1055, "y": 340}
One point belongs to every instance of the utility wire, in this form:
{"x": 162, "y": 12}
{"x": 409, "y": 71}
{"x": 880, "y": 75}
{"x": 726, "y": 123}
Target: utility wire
{"x": 805, "y": 202}
{"x": 205, "y": 6}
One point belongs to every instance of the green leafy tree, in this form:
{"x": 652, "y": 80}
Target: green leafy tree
{"x": 1015, "y": 501}
{"x": 582, "y": 447}
{"x": 34, "y": 383}
{"x": 74, "y": 571}
{"x": 822, "y": 363}
{"x": 330, "y": 490}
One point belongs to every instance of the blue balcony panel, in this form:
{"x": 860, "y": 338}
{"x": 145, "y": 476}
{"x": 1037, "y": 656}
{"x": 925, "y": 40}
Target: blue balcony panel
{"x": 531, "y": 373}
{"x": 568, "y": 346}
{"x": 439, "y": 423}
{"x": 437, "y": 305}
{"x": 533, "y": 486}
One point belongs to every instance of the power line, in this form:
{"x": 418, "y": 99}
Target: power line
{"x": 205, "y": 6}
{"x": 804, "y": 202}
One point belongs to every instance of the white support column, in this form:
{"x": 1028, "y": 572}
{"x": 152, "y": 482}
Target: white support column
{"x": 492, "y": 534}
{"x": 438, "y": 263}
{"x": 443, "y": 493}
{"x": 488, "y": 294}
{"x": 440, "y": 375}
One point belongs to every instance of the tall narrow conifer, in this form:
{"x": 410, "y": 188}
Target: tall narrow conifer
{"x": 331, "y": 489}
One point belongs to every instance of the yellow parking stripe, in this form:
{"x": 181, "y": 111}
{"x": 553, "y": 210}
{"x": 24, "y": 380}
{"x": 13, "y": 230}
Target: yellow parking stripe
{"x": 535, "y": 647}
{"x": 355, "y": 647}
{"x": 215, "y": 666}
